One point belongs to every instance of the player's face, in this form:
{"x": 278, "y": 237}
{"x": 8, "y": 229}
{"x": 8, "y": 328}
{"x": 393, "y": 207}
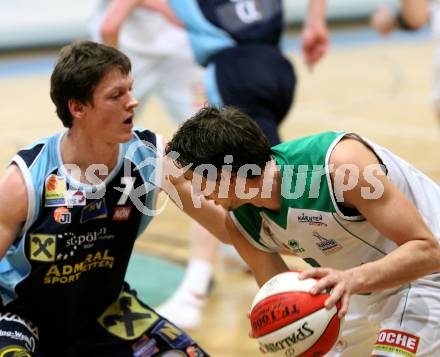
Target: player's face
{"x": 110, "y": 115}
{"x": 221, "y": 190}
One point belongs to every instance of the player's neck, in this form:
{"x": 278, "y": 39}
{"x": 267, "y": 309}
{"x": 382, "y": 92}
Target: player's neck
{"x": 82, "y": 152}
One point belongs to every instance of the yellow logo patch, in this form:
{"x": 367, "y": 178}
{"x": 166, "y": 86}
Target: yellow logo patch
{"x": 43, "y": 247}
{"x": 14, "y": 351}
{"x": 126, "y": 318}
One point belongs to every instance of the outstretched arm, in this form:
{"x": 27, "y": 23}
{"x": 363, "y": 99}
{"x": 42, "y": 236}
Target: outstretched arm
{"x": 315, "y": 40}
{"x": 13, "y": 207}
{"x": 414, "y": 14}
{"x": 394, "y": 216}
{"x": 114, "y": 17}
{"x": 163, "y": 8}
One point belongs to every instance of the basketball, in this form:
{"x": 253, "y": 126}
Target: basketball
{"x": 287, "y": 320}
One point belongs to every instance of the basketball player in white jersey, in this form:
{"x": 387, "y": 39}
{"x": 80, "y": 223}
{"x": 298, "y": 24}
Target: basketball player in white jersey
{"x": 366, "y": 220}
{"x": 157, "y": 45}
{"x": 238, "y": 41}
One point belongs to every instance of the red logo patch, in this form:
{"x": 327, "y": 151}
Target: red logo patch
{"x": 398, "y": 339}
{"x": 62, "y": 215}
{"x": 121, "y": 213}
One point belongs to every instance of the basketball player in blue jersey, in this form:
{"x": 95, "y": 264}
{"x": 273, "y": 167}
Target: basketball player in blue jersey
{"x": 366, "y": 220}
{"x": 148, "y": 32}
{"x": 72, "y": 207}
{"x": 238, "y": 41}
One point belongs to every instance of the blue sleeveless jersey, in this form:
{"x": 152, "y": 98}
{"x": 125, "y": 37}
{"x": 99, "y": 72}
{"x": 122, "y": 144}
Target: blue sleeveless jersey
{"x": 238, "y": 43}
{"x": 69, "y": 262}
{"x": 214, "y": 25}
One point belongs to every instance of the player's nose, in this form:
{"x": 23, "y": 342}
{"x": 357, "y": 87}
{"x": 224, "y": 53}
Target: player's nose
{"x": 132, "y": 102}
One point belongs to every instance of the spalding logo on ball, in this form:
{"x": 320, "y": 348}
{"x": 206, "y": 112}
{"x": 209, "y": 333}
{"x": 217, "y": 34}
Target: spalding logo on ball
{"x": 289, "y": 321}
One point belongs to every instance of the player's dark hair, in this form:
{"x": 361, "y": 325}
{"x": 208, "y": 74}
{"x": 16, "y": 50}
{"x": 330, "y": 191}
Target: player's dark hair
{"x": 212, "y": 133}
{"x": 80, "y": 67}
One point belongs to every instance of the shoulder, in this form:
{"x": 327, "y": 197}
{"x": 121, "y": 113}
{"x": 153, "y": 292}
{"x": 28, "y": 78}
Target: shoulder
{"x": 147, "y": 136}
{"x": 352, "y": 151}
{"x": 355, "y": 169}
{"x": 13, "y": 177}
{"x": 14, "y": 193}
{"x": 32, "y": 152}
{"x": 144, "y": 144}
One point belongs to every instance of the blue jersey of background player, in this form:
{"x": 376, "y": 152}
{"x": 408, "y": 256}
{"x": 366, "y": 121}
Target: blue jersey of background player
{"x": 238, "y": 42}
{"x": 72, "y": 206}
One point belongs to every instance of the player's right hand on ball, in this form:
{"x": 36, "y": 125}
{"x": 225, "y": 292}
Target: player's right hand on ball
{"x": 340, "y": 283}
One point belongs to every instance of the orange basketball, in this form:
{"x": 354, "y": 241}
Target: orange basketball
{"x": 287, "y": 320}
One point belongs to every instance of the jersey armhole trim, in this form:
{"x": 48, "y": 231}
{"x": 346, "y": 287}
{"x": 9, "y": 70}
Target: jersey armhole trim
{"x": 245, "y": 234}
{"x": 160, "y": 152}
{"x": 30, "y": 191}
{"x": 351, "y": 135}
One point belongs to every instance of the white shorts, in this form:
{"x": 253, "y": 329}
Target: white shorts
{"x": 162, "y": 62}
{"x": 405, "y": 323}
{"x": 177, "y": 80}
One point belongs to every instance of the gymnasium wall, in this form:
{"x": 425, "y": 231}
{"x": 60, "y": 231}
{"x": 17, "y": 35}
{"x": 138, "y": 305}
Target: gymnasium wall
{"x": 38, "y": 23}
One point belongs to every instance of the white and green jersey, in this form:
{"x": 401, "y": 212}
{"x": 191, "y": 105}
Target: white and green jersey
{"x": 312, "y": 224}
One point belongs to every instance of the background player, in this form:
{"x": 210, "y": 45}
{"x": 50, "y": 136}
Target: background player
{"x": 157, "y": 45}
{"x": 414, "y": 14}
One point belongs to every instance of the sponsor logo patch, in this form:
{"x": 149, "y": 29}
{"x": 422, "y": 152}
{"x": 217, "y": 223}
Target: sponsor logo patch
{"x": 122, "y": 213}
{"x": 327, "y": 246}
{"x": 175, "y": 337}
{"x": 68, "y": 273}
{"x": 294, "y": 244}
{"x": 29, "y": 341}
{"x": 55, "y": 188}
{"x": 193, "y": 351}
{"x": 42, "y": 247}
{"x": 73, "y": 241}
{"x": 75, "y": 198}
{"x": 126, "y": 318}
{"x": 15, "y": 318}
{"x": 311, "y": 219}
{"x": 94, "y": 210}
{"x": 14, "y": 351}
{"x": 62, "y": 215}
{"x": 144, "y": 347}
{"x": 396, "y": 343}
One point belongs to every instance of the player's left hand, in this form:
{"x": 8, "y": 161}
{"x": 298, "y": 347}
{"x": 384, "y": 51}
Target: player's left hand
{"x": 315, "y": 43}
{"x": 340, "y": 283}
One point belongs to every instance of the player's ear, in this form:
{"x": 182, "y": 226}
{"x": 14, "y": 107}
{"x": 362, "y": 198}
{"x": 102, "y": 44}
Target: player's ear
{"x": 167, "y": 148}
{"x": 76, "y": 108}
